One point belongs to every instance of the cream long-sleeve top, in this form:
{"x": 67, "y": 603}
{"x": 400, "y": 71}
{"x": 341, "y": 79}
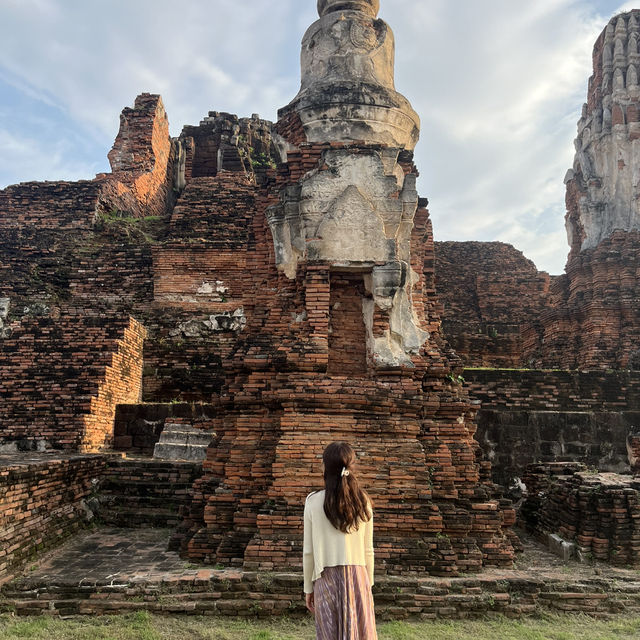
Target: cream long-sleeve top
{"x": 326, "y": 546}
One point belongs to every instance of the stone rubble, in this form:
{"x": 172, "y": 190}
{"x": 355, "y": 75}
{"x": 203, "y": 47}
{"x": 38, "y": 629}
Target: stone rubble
{"x": 597, "y": 512}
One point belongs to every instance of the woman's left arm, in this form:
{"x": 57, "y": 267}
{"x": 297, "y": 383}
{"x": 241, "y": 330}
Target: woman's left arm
{"x": 307, "y": 551}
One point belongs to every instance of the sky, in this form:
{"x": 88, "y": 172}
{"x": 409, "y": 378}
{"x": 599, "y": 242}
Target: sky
{"x": 498, "y": 84}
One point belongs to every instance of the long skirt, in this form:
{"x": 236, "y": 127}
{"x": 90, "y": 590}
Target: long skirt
{"x": 344, "y": 604}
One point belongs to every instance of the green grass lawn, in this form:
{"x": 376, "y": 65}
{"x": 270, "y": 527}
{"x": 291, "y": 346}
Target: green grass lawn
{"x": 142, "y": 626}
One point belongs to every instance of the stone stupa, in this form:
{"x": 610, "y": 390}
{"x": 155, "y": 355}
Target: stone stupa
{"x": 342, "y": 340}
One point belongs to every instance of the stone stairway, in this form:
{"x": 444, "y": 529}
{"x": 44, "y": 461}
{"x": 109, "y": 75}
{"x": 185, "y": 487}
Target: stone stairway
{"x": 180, "y": 441}
{"x": 145, "y": 492}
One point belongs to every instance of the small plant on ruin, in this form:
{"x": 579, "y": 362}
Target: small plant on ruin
{"x": 134, "y": 228}
{"x": 261, "y": 161}
{"x": 266, "y": 582}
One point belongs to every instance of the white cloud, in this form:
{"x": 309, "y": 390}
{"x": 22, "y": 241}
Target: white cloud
{"x": 24, "y": 159}
{"x": 498, "y": 85}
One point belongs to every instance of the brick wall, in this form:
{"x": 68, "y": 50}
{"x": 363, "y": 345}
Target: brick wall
{"x": 142, "y": 160}
{"x": 222, "y": 141}
{"x": 42, "y": 502}
{"x": 121, "y": 383}
{"x": 347, "y": 338}
{"x": 144, "y": 493}
{"x": 514, "y": 439}
{"x": 238, "y": 594}
{"x": 554, "y": 390}
{"x": 215, "y": 211}
{"x": 107, "y": 265}
{"x": 546, "y": 416}
{"x": 106, "y": 260}
{"x": 199, "y": 278}
{"x": 61, "y": 379}
{"x": 141, "y": 183}
{"x": 592, "y": 321}
{"x": 499, "y": 311}
{"x": 49, "y": 205}
{"x": 184, "y": 359}
{"x": 633, "y": 449}
{"x": 489, "y": 291}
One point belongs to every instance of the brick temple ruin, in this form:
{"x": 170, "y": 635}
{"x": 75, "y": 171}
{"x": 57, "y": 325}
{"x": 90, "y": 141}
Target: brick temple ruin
{"x": 181, "y": 338}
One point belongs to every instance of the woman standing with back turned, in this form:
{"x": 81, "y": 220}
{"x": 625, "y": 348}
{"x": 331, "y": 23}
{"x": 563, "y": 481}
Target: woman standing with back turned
{"x": 338, "y": 551}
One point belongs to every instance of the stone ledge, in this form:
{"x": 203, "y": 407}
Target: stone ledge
{"x": 116, "y": 570}
{"x": 245, "y": 594}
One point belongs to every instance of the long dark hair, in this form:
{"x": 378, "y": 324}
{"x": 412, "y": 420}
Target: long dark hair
{"x": 345, "y": 503}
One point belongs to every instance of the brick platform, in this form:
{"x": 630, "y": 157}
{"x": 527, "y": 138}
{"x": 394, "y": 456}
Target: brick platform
{"x": 529, "y": 416}
{"x": 116, "y": 571}
{"x": 598, "y": 512}
{"x": 42, "y": 503}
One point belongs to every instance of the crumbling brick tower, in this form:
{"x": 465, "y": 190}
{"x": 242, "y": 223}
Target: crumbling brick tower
{"x": 342, "y": 340}
{"x": 594, "y": 321}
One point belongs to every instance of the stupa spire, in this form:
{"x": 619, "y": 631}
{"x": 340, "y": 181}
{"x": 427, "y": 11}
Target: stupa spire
{"x": 347, "y": 90}
{"x": 370, "y": 7}
{"x": 602, "y": 187}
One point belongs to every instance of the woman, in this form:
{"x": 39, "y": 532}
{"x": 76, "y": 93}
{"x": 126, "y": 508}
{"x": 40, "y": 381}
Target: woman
{"x": 338, "y": 551}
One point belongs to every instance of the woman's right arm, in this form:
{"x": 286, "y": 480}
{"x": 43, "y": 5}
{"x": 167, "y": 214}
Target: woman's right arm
{"x": 368, "y": 548}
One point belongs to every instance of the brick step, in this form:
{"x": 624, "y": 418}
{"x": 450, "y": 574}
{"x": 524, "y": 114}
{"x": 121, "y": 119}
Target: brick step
{"x": 236, "y": 593}
{"x": 156, "y": 517}
{"x": 114, "y": 502}
{"x": 194, "y": 604}
{"x": 153, "y": 465}
{"x": 138, "y": 427}
{"x": 117, "y": 482}
{"x": 179, "y": 441}
{"x": 233, "y": 545}
{"x": 180, "y": 451}
{"x": 185, "y": 433}
{"x": 139, "y": 487}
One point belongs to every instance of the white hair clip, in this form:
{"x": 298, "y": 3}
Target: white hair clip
{"x": 345, "y": 472}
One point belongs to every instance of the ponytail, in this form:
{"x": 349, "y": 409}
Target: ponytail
{"x": 346, "y": 505}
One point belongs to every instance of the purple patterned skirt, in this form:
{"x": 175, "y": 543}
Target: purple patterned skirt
{"x": 344, "y": 604}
